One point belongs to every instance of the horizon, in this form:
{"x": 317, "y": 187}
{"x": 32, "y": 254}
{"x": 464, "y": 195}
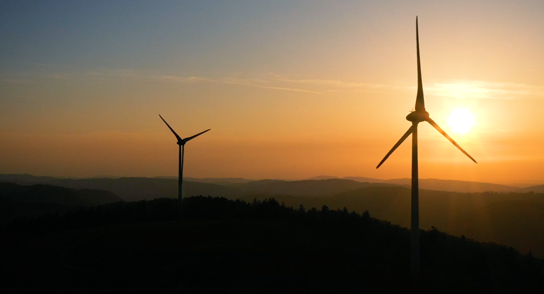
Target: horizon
{"x": 290, "y": 90}
{"x": 318, "y": 177}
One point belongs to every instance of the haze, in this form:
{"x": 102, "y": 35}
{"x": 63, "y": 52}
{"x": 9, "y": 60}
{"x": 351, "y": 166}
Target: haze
{"x": 290, "y": 89}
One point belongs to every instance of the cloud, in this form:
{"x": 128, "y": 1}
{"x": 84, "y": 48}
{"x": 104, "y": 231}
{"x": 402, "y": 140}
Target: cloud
{"x": 268, "y": 80}
{"x": 237, "y": 81}
{"x": 327, "y": 82}
{"x": 484, "y": 90}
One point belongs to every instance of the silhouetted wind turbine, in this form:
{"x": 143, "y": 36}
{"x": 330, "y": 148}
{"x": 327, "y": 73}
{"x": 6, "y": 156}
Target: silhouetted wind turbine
{"x": 181, "y": 143}
{"x": 417, "y": 116}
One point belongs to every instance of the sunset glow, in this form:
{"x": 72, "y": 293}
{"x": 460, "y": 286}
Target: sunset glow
{"x": 461, "y": 120}
{"x": 291, "y": 90}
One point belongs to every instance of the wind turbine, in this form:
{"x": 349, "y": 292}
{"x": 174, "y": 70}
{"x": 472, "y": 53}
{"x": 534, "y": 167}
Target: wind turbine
{"x": 181, "y": 143}
{"x": 417, "y": 116}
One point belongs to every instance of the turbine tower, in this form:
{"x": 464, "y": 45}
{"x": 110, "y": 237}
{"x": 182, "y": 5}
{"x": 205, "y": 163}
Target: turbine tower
{"x": 417, "y": 116}
{"x": 181, "y": 143}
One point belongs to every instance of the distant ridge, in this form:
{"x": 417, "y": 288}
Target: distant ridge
{"x": 25, "y": 179}
{"x": 324, "y": 187}
{"x": 455, "y": 186}
{"x": 219, "y": 180}
{"x": 535, "y": 189}
{"x": 357, "y": 179}
{"x": 442, "y": 185}
{"x": 18, "y": 201}
{"x": 41, "y": 193}
{"x": 230, "y": 187}
{"x": 323, "y": 177}
{"x": 365, "y": 180}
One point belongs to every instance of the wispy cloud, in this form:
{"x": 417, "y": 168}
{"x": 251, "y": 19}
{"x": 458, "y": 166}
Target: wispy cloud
{"x": 484, "y": 90}
{"x": 327, "y": 82}
{"x": 258, "y": 83}
{"x": 337, "y": 86}
{"x": 268, "y": 80}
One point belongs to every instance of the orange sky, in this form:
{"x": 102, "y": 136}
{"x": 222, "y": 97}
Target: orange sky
{"x": 290, "y": 90}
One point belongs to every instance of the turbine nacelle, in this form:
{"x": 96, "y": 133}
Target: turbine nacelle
{"x": 418, "y": 116}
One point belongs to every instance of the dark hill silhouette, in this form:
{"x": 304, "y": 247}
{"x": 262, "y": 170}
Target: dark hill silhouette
{"x": 449, "y": 211}
{"x": 386, "y": 202}
{"x": 301, "y": 188}
{"x": 364, "y": 179}
{"x": 240, "y": 187}
{"x": 535, "y": 189}
{"x": 225, "y": 246}
{"x": 135, "y": 189}
{"x": 474, "y": 215}
{"x": 221, "y": 181}
{"x": 515, "y": 223}
{"x": 55, "y": 195}
{"x": 19, "y": 200}
{"x": 455, "y": 186}
{"x": 323, "y": 177}
{"x": 25, "y": 179}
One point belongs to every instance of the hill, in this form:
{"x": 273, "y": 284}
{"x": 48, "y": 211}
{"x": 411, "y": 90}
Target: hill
{"x": 221, "y": 181}
{"x": 454, "y": 186}
{"x": 135, "y": 189}
{"x": 535, "y": 189}
{"x": 25, "y": 179}
{"x": 364, "y": 179}
{"x": 437, "y": 184}
{"x": 224, "y": 246}
{"x": 301, "y": 188}
{"x": 481, "y": 216}
{"x": 19, "y": 200}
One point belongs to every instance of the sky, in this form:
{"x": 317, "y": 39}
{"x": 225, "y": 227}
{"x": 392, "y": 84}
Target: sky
{"x": 290, "y": 89}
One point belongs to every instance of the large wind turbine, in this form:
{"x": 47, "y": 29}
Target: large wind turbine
{"x": 417, "y": 116}
{"x": 181, "y": 143}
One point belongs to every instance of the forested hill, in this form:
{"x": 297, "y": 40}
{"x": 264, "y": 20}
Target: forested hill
{"x": 225, "y": 246}
{"x": 511, "y": 218}
{"x": 514, "y": 219}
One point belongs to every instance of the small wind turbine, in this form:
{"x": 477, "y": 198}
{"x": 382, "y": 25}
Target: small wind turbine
{"x": 417, "y": 116}
{"x": 181, "y": 143}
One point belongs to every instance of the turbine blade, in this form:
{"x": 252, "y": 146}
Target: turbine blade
{"x": 420, "y": 103}
{"x": 410, "y": 130}
{"x": 175, "y": 134}
{"x": 192, "y": 137}
{"x": 429, "y": 120}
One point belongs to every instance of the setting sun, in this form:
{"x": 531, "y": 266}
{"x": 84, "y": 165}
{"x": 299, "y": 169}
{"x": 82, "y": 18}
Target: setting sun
{"x": 461, "y": 120}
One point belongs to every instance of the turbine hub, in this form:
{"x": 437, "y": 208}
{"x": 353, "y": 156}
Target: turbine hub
{"x": 417, "y": 116}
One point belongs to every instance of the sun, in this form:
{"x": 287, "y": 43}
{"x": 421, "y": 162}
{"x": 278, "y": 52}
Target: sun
{"x": 461, "y": 120}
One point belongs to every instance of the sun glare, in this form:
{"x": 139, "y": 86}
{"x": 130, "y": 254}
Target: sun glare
{"x": 461, "y": 120}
